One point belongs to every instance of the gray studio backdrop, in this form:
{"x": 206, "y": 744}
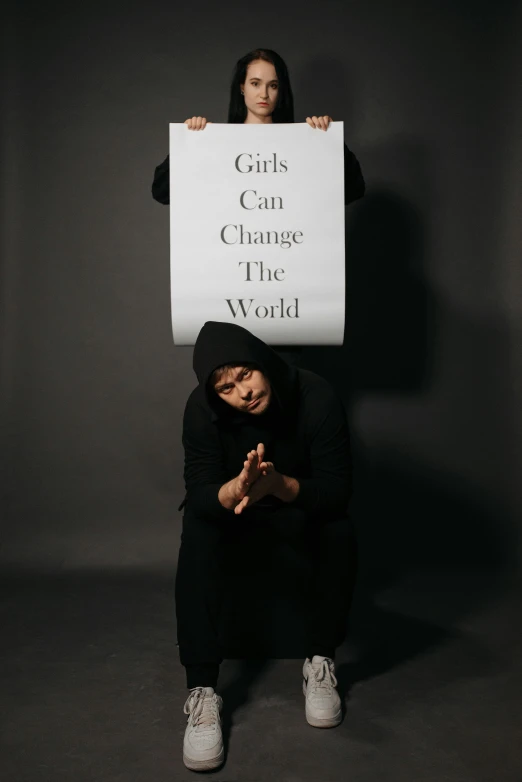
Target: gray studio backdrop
{"x": 93, "y": 389}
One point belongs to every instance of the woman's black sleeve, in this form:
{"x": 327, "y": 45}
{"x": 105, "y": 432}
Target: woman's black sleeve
{"x": 161, "y": 183}
{"x": 354, "y": 186}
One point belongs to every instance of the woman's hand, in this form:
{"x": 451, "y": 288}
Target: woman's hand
{"x": 196, "y": 123}
{"x": 319, "y": 122}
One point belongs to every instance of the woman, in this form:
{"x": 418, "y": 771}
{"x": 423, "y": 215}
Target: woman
{"x": 261, "y": 93}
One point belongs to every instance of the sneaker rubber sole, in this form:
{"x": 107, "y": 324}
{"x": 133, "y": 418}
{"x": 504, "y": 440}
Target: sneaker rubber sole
{"x": 204, "y": 765}
{"x": 331, "y": 722}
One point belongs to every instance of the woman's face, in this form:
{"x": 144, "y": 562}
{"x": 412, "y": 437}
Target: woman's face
{"x": 260, "y": 88}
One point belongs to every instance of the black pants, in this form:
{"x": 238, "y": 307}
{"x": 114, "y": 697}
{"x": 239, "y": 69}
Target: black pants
{"x": 330, "y": 544}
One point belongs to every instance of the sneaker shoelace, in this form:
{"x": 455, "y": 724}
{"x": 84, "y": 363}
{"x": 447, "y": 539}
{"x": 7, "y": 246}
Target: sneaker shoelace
{"x": 202, "y": 709}
{"x": 324, "y": 678}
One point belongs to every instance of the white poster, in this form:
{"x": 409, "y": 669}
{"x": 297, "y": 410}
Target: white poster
{"x": 257, "y": 231}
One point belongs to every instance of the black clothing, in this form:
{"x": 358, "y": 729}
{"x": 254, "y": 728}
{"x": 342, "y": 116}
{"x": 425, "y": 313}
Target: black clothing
{"x": 305, "y": 434}
{"x": 304, "y": 430}
{"x": 354, "y": 186}
{"x": 328, "y": 544}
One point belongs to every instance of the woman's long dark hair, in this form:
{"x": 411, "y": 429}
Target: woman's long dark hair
{"x": 284, "y": 110}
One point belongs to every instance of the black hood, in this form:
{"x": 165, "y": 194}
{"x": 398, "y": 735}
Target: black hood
{"x": 221, "y": 343}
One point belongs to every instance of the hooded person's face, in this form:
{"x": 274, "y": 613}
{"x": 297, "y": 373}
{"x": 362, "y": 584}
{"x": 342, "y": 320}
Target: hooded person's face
{"x": 245, "y": 388}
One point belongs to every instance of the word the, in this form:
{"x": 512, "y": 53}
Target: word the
{"x": 263, "y": 275}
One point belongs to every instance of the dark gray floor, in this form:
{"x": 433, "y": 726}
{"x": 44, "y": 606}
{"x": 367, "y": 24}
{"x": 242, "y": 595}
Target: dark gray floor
{"x": 92, "y": 688}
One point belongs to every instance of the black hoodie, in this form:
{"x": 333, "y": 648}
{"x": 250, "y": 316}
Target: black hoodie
{"x": 304, "y": 430}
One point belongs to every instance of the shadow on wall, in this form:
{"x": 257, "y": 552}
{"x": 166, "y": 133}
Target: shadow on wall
{"x": 431, "y": 553}
{"x": 390, "y": 323}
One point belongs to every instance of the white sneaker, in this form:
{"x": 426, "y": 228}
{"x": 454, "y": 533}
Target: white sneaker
{"x": 203, "y": 743}
{"x": 323, "y": 704}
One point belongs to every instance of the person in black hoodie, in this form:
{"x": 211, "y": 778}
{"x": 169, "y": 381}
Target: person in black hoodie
{"x": 265, "y": 442}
